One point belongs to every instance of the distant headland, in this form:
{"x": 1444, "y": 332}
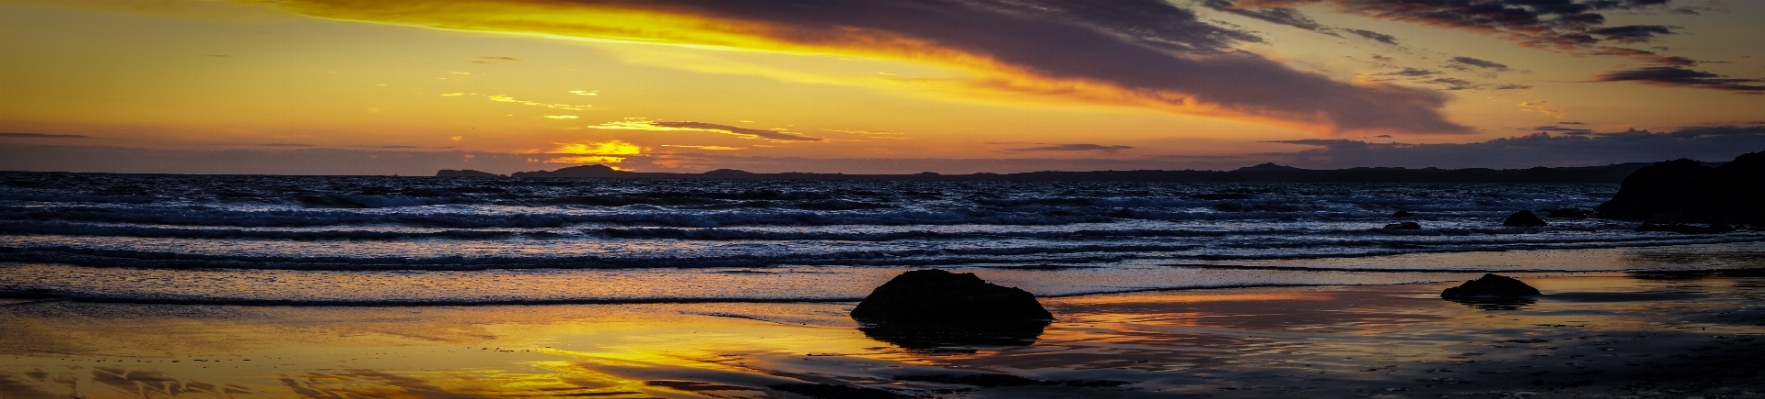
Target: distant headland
{"x": 1267, "y": 172}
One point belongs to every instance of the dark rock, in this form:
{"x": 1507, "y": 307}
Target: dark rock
{"x": 937, "y": 296}
{"x": 1566, "y": 213}
{"x": 1717, "y": 228}
{"x": 464, "y": 173}
{"x": 932, "y": 308}
{"x": 1490, "y": 285}
{"x": 1686, "y": 191}
{"x": 1402, "y": 214}
{"x": 576, "y": 171}
{"x": 1523, "y": 219}
{"x": 1404, "y": 226}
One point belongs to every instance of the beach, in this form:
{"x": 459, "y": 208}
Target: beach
{"x": 134, "y": 286}
{"x": 1669, "y": 334}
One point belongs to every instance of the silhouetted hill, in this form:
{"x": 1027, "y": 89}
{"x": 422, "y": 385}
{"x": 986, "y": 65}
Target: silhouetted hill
{"x": 1267, "y": 172}
{"x": 464, "y": 173}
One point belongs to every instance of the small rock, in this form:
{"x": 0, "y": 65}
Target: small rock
{"x": 937, "y": 296}
{"x": 1490, "y": 285}
{"x": 1523, "y": 219}
{"x": 927, "y": 309}
{"x": 1404, "y": 226}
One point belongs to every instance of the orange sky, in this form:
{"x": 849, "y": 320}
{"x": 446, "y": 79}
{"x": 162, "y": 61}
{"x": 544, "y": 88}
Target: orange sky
{"x": 675, "y": 85}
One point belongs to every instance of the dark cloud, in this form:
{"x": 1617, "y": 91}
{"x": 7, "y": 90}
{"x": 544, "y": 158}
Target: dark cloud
{"x": 284, "y": 145}
{"x": 1559, "y": 129}
{"x": 1643, "y": 55}
{"x": 1713, "y": 143}
{"x": 1682, "y": 77}
{"x": 1454, "y": 83}
{"x": 1411, "y": 72}
{"x": 1075, "y": 147}
{"x": 1570, "y": 123}
{"x": 765, "y": 134}
{"x": 499, "y": 58}
{"x": 1466, "y": 63}
{"x": 1513, "y": 86}
{"x": 1560, "y": 24}
{"x": 1632, "y": 33}
{"x": 1374, "y": 36}
{"x": 43, "y": 136}
{"x": 1276, "y": 15}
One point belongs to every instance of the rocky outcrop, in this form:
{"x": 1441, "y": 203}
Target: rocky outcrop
{"x": 932, "y": 308}
{"x": 464, "y": 173}
{"x": 1490, "y": 286}
{"x": 937, "y": 296}
{"x": 1686, "y": 191}
{"x": 1404, "y": 226}
{"x": 1523, "y": 219}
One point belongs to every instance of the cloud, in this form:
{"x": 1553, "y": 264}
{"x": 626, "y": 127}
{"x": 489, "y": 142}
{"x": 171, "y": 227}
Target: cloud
{"x": 1466, "y": 63}
{"x": 1643, "y": 55}
{"x": 614, "y": 147}
{"x": 1559, "y": 129}
{"x": 284, "y": 145}
{"x": 1454, "y": 83}
{"x": 1136, "y": 53}
{"x": 497, "y": 58}
{"x": 506, "y": 99}
{"x": 1074, "y": 147}
{"x": 560, "y": 116}
{"x": 1557, "y": 24}
{"x": 43, "y": 136}
{"x": 705, "y": 147}
{"x": 1682, "y": 77}
{"x": 1412, "y": 72}
{"x": 1570, "y": 123}
{"x": 1513, "y": 86}
{"x": 1714, "y": 143}
{"x": 1632, "y": 33}
{"x": 1276, "y": 15}
{"x": 1374, "y": 36}
{"x": 643, "y": 124}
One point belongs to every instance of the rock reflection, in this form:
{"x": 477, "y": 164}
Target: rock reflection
{"x": 1494, "y": 303}
{"x": 932, "y": 336}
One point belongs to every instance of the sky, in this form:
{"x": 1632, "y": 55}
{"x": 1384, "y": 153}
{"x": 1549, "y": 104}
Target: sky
{"x": 864, "y": 86}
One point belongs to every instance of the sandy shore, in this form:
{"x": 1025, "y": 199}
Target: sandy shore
{"x": 1607, "y": 335}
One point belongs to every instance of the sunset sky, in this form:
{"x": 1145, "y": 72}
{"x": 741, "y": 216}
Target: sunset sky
{"x": 865, "y": 86}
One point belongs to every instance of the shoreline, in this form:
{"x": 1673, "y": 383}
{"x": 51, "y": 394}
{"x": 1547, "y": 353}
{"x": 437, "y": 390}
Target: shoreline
{"x": 1396, "y": 340}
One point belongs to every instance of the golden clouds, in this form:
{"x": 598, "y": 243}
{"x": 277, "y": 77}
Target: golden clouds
{"x": 606, "y": 153}
{"x": 640, "y": 124}
{"x": 614, "y": 147}
{"x": 507, "y": 99}
{"x": 1174, "y": 63}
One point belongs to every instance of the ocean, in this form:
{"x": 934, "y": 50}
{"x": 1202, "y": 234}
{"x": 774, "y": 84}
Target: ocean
{"x": 313, "y": 240}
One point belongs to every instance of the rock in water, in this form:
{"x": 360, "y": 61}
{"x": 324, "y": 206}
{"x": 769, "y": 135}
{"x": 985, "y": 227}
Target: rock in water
{"x": 1402, "y": 214}
{"x": 1404, "y": 226}
{"x": 1523, "y": 219}
{"x": 1490, "y": 286}
{"x": 1685, "y": 191}
{"x": 937, "y": 296}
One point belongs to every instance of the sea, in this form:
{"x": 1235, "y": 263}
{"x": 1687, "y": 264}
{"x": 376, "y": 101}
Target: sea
{"x": 406, "y": 241}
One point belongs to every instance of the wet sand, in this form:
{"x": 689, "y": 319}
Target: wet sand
{"x": 1592, "y": 335}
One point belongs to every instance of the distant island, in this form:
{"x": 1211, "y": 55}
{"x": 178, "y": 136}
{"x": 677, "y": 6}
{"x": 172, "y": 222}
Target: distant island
{"x": 1267, "y": 172}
